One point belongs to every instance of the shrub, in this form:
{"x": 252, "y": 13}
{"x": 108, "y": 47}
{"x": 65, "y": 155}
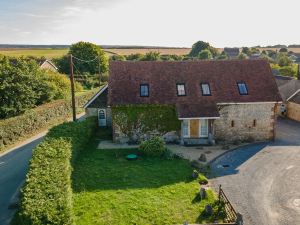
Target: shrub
{"x": 153, "y": 147}
{"x": 20, "y": 127}
{"x": 47, "y": 194}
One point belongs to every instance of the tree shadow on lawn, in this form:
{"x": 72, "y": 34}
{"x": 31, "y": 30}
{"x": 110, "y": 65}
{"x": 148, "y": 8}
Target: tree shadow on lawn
{"x": 110, "y": 170}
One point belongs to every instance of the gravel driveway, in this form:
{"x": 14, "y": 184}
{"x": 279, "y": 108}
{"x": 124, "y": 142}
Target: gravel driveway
{"x": 263, "y": 180}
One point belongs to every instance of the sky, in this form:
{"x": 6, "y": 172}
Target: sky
{"x": 173, "y": 23}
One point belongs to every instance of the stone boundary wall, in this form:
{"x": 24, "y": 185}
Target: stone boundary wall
{"x": 293, "y": 111}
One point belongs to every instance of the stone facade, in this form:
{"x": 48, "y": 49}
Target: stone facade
{"x": 293, "y": 111}
{"x": 245, "y": 122}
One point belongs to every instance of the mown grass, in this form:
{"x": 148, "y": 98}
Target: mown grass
{"x": 108, "y": 189}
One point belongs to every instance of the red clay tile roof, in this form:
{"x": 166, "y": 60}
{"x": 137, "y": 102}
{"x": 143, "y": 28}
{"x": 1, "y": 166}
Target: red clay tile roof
{"x": 162, "y": 76}
{"x": 296, "y": 98}
{"x": 209, "y": 109}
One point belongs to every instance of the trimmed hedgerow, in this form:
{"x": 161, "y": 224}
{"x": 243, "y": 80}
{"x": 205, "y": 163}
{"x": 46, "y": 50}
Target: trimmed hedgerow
{"x": 21, "y": 127}
{"x": 47, "y": 193}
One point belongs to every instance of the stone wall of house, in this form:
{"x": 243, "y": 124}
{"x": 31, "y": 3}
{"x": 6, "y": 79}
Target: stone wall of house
{"x": 293, "y": 111}
{"x": 169, "y": 137}
{"x": 245, "y": 122}
{"x": 94, "y": 112}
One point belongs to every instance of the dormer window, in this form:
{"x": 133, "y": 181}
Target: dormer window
{"x": 242, "y": 88}
{"x": 181, "y": 89}
{"x": 144, "y": 90}
{"x": 205, "y": 88}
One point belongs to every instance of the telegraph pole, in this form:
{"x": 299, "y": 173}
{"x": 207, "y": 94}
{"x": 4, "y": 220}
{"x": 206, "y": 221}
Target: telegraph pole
{"x": 72, "y": 88}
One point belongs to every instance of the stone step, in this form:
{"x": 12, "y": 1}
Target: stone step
{"x": 195, "y": 141}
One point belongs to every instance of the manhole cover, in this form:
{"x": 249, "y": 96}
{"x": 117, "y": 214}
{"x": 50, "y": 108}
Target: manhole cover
{"x": 131, "y": 157}
{"x": 225, "y": 165}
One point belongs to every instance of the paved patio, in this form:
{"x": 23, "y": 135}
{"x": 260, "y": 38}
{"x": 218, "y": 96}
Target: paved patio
{"x": 190, "y": 153}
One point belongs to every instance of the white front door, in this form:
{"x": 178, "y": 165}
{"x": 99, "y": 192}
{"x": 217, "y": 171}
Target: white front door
{"x": 102, "y": 117}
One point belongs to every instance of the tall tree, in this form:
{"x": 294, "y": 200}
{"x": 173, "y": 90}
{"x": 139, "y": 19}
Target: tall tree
{"x": 85, "y": 51}
{"x": 205, "y": 54}
{"x": 200, "y": 46}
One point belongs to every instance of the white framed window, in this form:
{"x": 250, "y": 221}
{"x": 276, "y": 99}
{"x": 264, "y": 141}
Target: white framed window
{"x": 203, "y": 128}
{"x": 205, "y": 89}
{"x": 144, "y": 90}
{"x": 186, "y": 128}
{"x": 181, "y": 89}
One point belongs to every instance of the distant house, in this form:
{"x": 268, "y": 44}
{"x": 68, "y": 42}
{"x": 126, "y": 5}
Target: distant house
{"x": 293, "y": 106}
{"x": 222, "y": 100}
{"x": 232, "y": 53}
{"x": 255, "y": 56}
{"x": 289, "y": 89}
{"x": 48, "y": 65}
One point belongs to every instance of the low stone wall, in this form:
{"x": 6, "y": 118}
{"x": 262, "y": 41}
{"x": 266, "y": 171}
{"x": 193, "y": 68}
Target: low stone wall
{"x": 293, "y": 111}
{"x": 245, "y": 122}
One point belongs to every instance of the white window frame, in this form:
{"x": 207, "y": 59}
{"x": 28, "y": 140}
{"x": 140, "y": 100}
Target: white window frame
{"x": 205, "y": 87}
{"x": 200, "y": 128}
{"x": 181, "y": 91}
{"x": 188, "y": 127}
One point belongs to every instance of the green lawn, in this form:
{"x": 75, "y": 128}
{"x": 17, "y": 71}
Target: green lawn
{"x": 108, "y": 189}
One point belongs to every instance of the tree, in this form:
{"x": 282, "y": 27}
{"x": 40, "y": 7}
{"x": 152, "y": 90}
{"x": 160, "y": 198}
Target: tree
{"x": 23, "y": 85}
{"x": 223, "y": 55}
{"x": 151, "y": 56}
{"x": 198, "y": 47}
{"x": 118, "y": 58}
{"x": 134, "y": 57}
{"x": 242, "y": 56}
{"x": 285, "y": 50}
{"x": 246, "y": 51}
{"x": 85, "y": 51}
{"x": 205, "y": 54}
{"x": 201, "y": 45}
{"x": 283, "y": 60}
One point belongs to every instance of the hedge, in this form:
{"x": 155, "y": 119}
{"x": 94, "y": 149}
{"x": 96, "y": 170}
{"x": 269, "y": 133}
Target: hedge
{"x": 47, "y": 193}
{"x": 18, "y": 128}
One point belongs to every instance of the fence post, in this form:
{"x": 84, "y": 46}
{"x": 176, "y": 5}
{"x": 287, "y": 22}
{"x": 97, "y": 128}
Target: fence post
{"x": 239, "y": 219}
{"x": 219, "y": 193}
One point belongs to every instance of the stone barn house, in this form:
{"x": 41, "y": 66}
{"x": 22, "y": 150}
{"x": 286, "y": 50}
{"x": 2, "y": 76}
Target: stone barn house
{"x": 224, "y": 100}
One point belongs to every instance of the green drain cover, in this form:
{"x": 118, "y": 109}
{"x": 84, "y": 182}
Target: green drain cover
{"x": 131, "y": 157}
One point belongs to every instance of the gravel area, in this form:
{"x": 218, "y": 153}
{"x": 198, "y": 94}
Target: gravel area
{"x": 263, "y": 180}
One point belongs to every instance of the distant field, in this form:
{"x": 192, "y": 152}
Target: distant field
{"x": 54, "y": 53}
{"x": 162, "y": 51}
{"x": 47, "y": 53}
{"x": 296, "y": 50}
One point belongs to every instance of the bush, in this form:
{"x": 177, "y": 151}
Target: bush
{"x": 20, "y": 127}
{"x": 153, "y": 147}
{"x": 47, "y": 194}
